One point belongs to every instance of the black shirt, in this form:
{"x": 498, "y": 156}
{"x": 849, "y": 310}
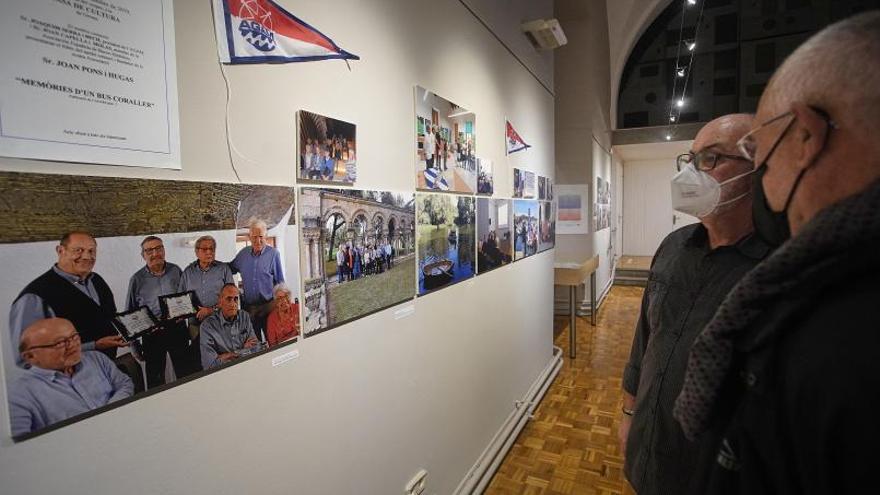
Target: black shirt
{"x": 687, "y": 283}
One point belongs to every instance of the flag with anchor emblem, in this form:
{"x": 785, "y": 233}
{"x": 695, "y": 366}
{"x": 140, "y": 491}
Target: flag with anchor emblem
{"x": 260, "y": 31}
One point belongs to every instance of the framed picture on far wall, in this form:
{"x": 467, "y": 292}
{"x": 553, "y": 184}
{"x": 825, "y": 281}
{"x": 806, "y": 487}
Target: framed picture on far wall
{"x": 445, "y": 145}
{"x": 327, "y": 149}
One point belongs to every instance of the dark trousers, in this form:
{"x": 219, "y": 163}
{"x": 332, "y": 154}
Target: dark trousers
{"x": 174, "y": 341}
{"x": 259, "y": 312}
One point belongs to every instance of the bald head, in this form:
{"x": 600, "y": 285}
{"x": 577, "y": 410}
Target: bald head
{"x": 723, "y": 132}
{"x": 51, "y": 343}
{"x": 836, "y": 70}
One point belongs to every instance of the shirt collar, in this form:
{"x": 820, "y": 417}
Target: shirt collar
{"x": 749, "y": 246}
{"x": 70, "y": 277}
{"x": 53, "y": 375}
{"x": 199, "y": 266}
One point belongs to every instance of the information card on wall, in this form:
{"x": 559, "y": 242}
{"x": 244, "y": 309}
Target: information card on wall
{"x": 90, "y": 81}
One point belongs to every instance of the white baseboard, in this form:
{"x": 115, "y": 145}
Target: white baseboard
{"x": 480, "y": 474}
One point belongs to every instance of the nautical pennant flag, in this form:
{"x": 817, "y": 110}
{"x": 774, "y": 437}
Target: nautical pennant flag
{"x": 260, "y": 31}
{"x": 514, "y": 142}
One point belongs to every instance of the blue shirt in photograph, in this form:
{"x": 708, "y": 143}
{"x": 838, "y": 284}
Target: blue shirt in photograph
{"x": 206, "y": 283}
{"x": 42, "y": 397}
{"x": 259, "y": 273}
{"x": 144, "y": 288}
{"x": 219, "y": 335}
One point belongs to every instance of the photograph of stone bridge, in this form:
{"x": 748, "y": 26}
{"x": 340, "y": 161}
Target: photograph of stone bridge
{"x": 357, "y": 251}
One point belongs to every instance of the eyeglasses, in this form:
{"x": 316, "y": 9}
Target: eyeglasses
{"x": 705, "y": 160}
{"x": 157, "y": 249}
{"x": 748, "y": 146}
{"x": 60, "y": 344}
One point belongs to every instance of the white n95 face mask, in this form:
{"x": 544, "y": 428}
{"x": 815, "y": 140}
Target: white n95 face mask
{"x": 697, "y": 193}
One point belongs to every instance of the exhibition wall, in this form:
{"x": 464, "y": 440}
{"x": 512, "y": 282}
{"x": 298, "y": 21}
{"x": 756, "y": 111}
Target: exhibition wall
{"x": 363, "y": 407}
{"x": 583, "y": 141}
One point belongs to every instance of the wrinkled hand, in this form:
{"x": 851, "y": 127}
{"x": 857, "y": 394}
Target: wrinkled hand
{"x": 250, "y": 343}
{"x": 227, "y": 356}
{"x": 110, "y": 342}
{"x": 623, "y": 432}
{"x": 204, "y": 313}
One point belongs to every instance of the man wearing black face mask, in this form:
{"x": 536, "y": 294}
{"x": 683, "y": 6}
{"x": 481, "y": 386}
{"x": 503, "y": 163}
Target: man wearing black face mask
{"x": 692, "y": 271}
{"x": 786, "y": 379}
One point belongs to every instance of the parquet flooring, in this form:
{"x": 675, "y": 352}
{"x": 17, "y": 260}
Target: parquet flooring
{"x": 571, "y": 446}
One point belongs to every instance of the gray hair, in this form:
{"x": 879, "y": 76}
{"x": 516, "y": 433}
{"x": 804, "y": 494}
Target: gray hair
{"x": 206, "y": 238}
{"x": 254, "y": 223}
{"x": 836, "y": 70}
{"x": 281, "y": 286}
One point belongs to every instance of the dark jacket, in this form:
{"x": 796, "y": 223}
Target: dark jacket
{"x": 798, "y": 409}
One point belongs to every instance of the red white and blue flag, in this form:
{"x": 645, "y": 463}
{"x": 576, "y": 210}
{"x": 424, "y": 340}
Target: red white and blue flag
{"x": 260, "y": 31}
{"x": 514, "y": 142}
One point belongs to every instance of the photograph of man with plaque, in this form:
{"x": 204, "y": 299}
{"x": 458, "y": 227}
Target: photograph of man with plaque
{"x": 120, "y": 279}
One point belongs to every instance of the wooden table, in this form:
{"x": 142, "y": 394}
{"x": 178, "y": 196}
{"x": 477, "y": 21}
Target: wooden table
{"x": 572, "y": 274}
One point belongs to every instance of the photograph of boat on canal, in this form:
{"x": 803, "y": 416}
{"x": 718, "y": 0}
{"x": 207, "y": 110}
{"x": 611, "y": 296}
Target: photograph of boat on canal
{"x": 525, "y": 225}
{"x": 445, "y": 239}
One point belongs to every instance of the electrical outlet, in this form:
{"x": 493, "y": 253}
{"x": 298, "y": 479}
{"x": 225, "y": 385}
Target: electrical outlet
{"x": 416, "y": 485}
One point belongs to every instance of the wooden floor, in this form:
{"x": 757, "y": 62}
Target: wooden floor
{"x": 571, "y": 446}
{"x": 635, "y": 262}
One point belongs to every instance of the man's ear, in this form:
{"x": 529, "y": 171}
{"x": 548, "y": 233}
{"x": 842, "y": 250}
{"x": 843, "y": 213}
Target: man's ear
{"x": 58, "y": 249}
{"x": 809, "y": 132}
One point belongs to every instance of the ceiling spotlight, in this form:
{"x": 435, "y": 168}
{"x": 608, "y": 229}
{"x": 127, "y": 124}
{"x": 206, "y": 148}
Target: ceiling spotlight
{"x": 680, "y": 103}
{"x": 692, "y": 2}
{"x": 691, "y": 45}
{"x": 680, "y": 72}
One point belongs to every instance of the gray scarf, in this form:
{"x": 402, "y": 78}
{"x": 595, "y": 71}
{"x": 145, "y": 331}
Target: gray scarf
{"x": 841, "y": 238}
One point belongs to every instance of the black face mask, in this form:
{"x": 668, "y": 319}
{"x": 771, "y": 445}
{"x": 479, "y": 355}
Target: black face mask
{"x": 771, "y": 226}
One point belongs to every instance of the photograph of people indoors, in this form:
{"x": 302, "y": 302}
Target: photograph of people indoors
{"x": 494, "y": 233}
{"x": 525, "y": 228}
{"x": 105, "y": 312}
{"x": 485, "y": 181}
{"x": 445, "y": 145}
{"x": 358, "y": 253}
{"x": 445, "y": 237}
{"x": 327, "y": 149}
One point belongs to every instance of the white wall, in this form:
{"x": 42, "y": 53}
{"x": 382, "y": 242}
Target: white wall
{"x": 367, "y": 404}
{"x": 583, "y": 124}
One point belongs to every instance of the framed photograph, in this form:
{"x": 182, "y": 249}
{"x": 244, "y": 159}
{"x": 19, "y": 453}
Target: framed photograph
{"x": 135, "y": 323}
{"x": 362, "y": 255}
{"x": 444, "y": 239}
{"x": 445, "y": 145}
{"x": 327, "y": 149}
{"x": 180, "y": 305}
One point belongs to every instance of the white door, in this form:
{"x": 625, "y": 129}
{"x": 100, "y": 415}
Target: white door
{"x": 647, "y": 206}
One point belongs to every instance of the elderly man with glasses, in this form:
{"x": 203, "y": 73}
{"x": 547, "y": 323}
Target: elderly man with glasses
{"x": 71, "y": 290}
{"x": 161, "y": 278}
{"x": 61, "y": 381}
{"x": 785, "y": 379}
{"x": 691, "y": 273}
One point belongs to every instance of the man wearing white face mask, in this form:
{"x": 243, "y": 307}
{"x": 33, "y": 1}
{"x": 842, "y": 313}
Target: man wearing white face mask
{"x": 691, "y": 273}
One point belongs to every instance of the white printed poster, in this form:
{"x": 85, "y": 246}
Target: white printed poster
{"x": 89, "y": 81}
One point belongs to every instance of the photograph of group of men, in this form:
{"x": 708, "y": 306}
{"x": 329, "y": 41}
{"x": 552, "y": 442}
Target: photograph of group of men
{"x": 327, "y": 149}
{"x": 445, "y": 145}
{"x": 67, "y": 351}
